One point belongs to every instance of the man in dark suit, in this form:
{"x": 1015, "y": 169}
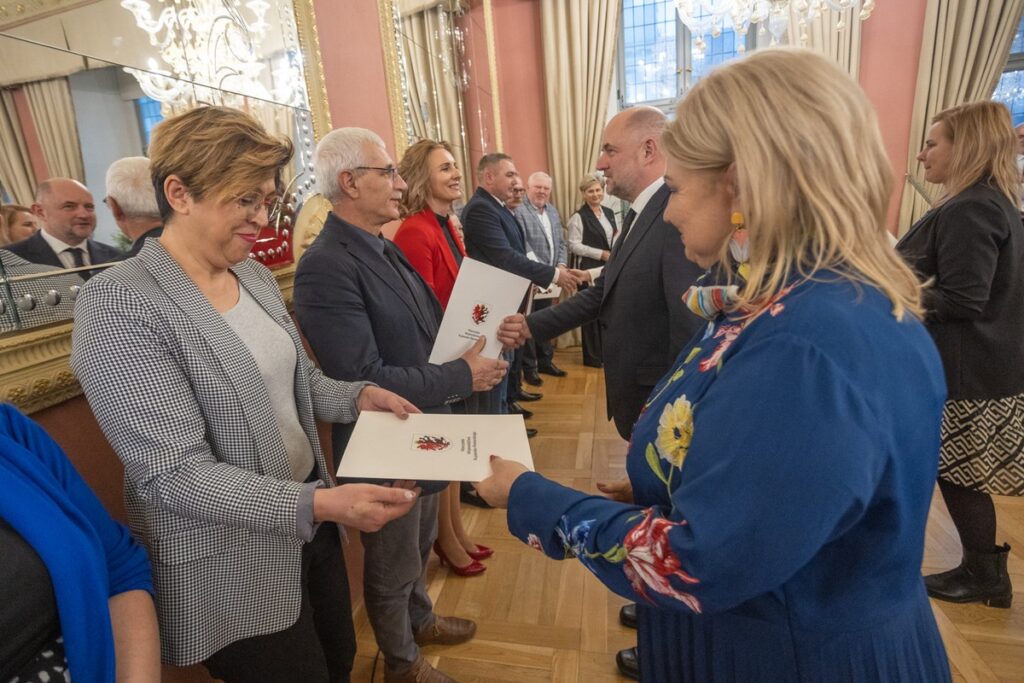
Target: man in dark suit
{"x": 130, "y": 197}
{"x": 369, "y": 316}
{"x": 68, "y": 215}
{"x": 637, "y": 298}
{"x": 493, "y": 236}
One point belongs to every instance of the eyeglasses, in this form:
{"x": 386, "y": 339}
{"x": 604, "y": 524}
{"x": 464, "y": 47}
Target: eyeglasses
{"x": 275, "y": 205}
{"x": 391, "y": 171}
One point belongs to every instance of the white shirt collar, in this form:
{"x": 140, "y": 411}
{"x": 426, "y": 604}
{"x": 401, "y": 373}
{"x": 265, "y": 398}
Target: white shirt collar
{"x": 59, "y": 246}
{"x": 496, "y": 199}
{"x": 640, "y": 203}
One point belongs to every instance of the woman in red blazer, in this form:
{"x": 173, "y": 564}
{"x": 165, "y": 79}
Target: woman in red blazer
{"x": 430, "y": 239}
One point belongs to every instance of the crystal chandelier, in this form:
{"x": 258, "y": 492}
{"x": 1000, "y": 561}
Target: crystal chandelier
{"x": 213, "y": 45}
{"x": 711, "y": 17}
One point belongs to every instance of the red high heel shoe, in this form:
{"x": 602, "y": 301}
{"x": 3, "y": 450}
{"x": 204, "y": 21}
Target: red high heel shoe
{"x": 471, "y": 569}
{"x": 482, "y": 552}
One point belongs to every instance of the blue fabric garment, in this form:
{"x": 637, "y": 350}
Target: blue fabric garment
{"x": 89, "y": 556}
{"x": 782, "y": 473}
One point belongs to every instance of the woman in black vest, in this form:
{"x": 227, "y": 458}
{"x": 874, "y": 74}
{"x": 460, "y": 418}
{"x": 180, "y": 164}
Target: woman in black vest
{"x": 970, "y": 247}
{"x": 592, "y": 231}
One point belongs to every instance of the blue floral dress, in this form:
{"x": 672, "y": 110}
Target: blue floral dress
{"x": 782, "y": 473}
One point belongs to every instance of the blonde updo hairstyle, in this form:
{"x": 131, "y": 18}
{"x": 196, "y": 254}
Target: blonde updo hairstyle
{"x": 984, "y": 148}
{"x": 813, "y": 180}
{"x": 591, "y": 179}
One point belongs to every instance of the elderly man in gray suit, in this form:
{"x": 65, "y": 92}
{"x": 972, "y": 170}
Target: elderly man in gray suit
{"x": 542, "y": 227}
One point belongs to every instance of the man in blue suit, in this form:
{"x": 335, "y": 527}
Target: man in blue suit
{"x": 369, "y": 316}
{"x": 493, "y": 236}
{"x": 68, "y": 214}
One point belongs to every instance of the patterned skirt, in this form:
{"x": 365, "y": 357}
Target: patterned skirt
{"x": 983, "y": 445}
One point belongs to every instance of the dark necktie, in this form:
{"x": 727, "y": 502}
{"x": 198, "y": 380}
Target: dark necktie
{"x": 419, "y": 296}
{"x": 78, "y": 255}
{"x": 627, "y": 223}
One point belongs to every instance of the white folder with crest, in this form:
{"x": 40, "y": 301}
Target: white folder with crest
{"x": 433, "y": 447}
{"x": 483, "y": 295}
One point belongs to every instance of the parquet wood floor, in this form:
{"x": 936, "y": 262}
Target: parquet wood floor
{"x": 540, "y": 620}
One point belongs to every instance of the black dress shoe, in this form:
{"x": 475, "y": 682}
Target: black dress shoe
{"x": 516, "y": 409}
{"x": 530, "y": 432}
{"x": 593, "y": 364}
{"x": 532, "y": 378}
{"x": 627, "y": 615}
{"x": 552, "y": 370}
{"x": 469, "y": 496}
{"x": 628, "y": 661}
{"x": 526, "y": 396}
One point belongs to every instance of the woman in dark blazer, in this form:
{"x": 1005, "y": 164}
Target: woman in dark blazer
{"x": 970, "y": 248}
{"x": 197, "y": 375}
{"x": 432, "y": 244}
{"x": 592, "y": 231}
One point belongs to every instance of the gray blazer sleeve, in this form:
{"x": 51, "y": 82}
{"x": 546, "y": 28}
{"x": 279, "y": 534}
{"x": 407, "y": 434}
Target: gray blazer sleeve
{"x": 128, "y": 365}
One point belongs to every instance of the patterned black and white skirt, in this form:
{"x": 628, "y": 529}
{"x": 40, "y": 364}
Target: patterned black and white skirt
{"x": 983, "y": 445}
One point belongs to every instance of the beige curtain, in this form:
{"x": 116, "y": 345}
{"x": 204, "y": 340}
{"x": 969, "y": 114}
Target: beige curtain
{"x": 964, "y": 51}
{"x": 579, "y": 38}
{"x": 433, "y": 72}
{"x": 16, "y": 174}
{"x": 835, "y": 34}
{"x": 53, "y": 115}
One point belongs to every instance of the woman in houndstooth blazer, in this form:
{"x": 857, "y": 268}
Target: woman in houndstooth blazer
{"x": 198, "y": 377}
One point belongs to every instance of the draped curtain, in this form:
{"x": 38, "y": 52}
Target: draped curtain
{"x": 53, "y": 115}
{"x": 963, "y": 53}
{"x": 579, "y": 38}
{"x": 835, "y": 34}
{"x": 16, "y": 174}
{"x": 433, "y": 75}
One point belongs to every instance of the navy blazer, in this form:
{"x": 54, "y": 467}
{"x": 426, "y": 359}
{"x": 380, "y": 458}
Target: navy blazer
{"x": 493, "y": 236}
{"x": 35, "y": 249}
{"x": 363, "y": 324}
{"x": 637, "y": 301}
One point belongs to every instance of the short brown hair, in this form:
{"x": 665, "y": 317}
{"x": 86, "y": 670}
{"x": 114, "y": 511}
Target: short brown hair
{"x": 216, "y": 152}
{"x": 491, "y": 160}
{"x": 984, "y": 148}
{"x": 589, "y": 180}
{"x": 416, "y": 173}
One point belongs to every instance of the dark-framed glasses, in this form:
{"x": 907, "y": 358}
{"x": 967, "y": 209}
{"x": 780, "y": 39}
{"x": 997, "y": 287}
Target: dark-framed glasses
{"x": 391, "y": 171}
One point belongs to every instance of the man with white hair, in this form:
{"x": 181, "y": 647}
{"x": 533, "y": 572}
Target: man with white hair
{"x": 369, "y": 316}
{"x": 543, "y": 228}
{"x": 132, "y": 200}
{"x": 68, "y": 215}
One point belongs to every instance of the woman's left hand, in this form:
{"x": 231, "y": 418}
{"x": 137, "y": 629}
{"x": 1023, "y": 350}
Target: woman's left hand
{"x": 495, "y": 488}
{"x": 384, "y": 401}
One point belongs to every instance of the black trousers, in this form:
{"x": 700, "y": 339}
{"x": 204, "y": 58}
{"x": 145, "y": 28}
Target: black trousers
{"x": 591, "y": 333}
{"x": 320, "y": 646}
{"x": 538, "y": 352}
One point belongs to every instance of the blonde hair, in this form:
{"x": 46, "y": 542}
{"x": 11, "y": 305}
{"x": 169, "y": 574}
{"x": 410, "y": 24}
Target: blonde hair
{"x": 217, "y": 152}
{"x": 8, "y": 213}
{"x": 813, "y": 180}
{"x": 984, "y": 148}
{"x": 589, "y": 180}
{"x": 415, "y": 171}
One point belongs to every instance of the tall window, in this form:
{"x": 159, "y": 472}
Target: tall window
{"x": 658, "y": 56}
{"x": 148, "y": 110}
{"x": 1010, "y": 90}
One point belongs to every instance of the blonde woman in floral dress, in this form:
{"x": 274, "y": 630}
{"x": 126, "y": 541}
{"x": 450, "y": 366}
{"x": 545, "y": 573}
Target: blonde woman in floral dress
{"x": 782, "y": 470}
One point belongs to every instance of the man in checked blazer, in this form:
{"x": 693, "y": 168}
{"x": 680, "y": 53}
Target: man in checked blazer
{"x": 369, "y": 316}
{"x": 68, "y": 214}
{"x": 545, "y": 244}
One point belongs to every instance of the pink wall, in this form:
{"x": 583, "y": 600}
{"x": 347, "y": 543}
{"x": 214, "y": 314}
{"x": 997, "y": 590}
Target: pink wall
{"x": 33, "y": 146}
{"x": 353, "y": 61}
{"x": 520, "y": 58}
{"x": 889, "y": 53}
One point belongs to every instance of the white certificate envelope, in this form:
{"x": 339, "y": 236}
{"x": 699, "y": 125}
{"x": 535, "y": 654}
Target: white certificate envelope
{"x": 551, "y": 292}
{"x": 433, "y": 447}
{"x": 483, "y": 295}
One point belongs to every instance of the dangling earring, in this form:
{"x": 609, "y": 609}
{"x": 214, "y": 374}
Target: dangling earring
{"x": 738, "y": 243}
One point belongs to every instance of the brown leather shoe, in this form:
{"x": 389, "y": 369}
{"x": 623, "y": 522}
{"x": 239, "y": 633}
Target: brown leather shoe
{"x": 446, "y": 631}
{"x": 419, "y": 672}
